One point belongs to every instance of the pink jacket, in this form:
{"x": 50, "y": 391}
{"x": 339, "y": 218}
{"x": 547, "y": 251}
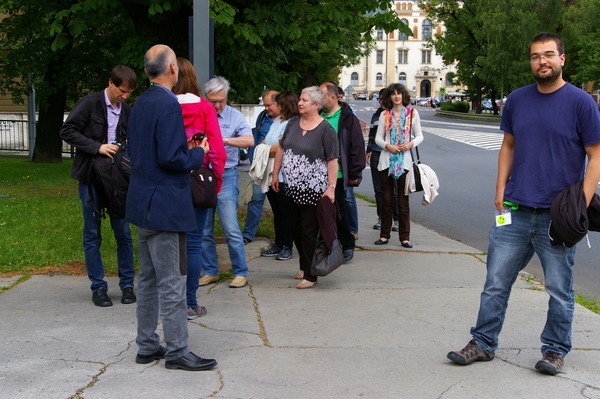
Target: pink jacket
{"x": 200, "y": 116}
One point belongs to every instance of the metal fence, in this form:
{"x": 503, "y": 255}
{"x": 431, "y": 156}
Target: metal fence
{"x": 14, "y": 136}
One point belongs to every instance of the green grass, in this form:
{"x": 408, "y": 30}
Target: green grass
{"x": 41, "y": 223}
{"x": 588, "y": 303}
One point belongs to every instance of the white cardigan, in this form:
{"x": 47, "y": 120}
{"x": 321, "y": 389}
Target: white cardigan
{"x": 382, "y": 138}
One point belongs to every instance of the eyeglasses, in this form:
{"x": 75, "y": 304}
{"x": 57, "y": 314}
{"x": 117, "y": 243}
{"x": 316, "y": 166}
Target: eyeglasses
{"x": 538, "y": 57}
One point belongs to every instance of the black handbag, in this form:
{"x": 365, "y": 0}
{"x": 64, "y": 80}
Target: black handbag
{"x": 324, "y": 261}
{"x": 204, "y": 188}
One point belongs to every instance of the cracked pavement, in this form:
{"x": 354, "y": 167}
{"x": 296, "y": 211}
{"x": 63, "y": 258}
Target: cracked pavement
{"x": 378, "y": 327}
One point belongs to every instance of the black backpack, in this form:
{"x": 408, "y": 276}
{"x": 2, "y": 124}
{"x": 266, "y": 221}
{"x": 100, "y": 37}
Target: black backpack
{"x": 110, "y": 178}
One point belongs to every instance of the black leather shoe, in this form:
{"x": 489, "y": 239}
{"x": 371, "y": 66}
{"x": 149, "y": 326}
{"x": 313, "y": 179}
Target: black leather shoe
{"x": 128, "y": 296}
{"x": 145, "y": 359}
{"x": 381, "y": 242}
{"x": 100, "y": 298}
{"x": 191, "y": 362}
{"x": 406, "y": 244}
{"x": 348, "y": 254}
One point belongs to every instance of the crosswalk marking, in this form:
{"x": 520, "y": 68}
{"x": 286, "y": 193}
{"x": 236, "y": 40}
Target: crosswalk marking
{"x": 486, "y": 141}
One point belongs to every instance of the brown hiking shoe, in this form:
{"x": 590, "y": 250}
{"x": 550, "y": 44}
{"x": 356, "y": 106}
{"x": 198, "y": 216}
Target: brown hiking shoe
{"x": 551, "y": 363}
{"x": 470, "y": 354}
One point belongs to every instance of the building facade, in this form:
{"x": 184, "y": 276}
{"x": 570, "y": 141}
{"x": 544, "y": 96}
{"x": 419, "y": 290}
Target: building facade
{"x": 398, "y": 58}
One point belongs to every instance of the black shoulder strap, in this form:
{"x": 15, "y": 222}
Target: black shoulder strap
{"x": 418, "y": 159}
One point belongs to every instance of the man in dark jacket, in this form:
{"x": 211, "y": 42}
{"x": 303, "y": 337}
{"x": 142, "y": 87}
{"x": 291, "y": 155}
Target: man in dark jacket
{"x": 351, "y": 160}
{"x": 96, "y": 126}
{"x": 159, "y": 202}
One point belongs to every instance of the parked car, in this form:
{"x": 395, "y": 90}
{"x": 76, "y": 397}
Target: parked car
{"x": 374, "y": 95}
{"x": 486, "y": 104}
{"x": 361, "y": 96}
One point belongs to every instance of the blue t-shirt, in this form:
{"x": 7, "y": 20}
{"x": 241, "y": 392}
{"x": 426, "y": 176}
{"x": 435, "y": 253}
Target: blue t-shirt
{"x": 550, "y": 132}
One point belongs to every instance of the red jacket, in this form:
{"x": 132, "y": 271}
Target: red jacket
{"x": 200, "y": 116}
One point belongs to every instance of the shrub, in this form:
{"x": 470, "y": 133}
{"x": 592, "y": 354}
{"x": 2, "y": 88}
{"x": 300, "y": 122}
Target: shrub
{"x": 447, "y": 106}
{"x": 461, "y": 106}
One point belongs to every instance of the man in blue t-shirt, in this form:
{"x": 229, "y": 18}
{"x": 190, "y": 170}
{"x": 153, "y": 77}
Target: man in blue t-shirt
{"x": 549, "y": 129}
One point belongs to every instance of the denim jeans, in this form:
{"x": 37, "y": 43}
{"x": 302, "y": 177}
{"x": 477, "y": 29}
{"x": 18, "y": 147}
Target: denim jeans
{"x": 193, "y": 241}
{"x": 351, "y": 210}
{"x": 254, "y": 212}
{"x": 161, "y": 290}
{"x": 511, "y": 247}
{"x": 92, "y": 240}
{"x": 227, "y": 208}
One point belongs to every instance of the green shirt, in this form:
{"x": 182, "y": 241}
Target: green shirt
{"x": 334, "y": 120}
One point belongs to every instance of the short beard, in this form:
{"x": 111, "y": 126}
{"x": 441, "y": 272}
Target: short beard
{"x": 551, "y": 78}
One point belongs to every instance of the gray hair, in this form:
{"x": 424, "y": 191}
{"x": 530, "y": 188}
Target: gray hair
{"x": 314, "y": 93}
{"x": 159, "y": 64}
{"x": 216, "y": 84}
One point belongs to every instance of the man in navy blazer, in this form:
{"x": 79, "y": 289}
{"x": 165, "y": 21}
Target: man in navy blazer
{"x": 159, "y": 202}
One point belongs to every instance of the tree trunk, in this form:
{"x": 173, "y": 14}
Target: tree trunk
{"x": 48, "y": 145}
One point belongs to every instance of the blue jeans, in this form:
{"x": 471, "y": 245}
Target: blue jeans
{"x": 227, "y": 208}
{"x": 92, "y": 240}
{"x": 194, "y": 250}
{"x": 511, "y": 247}
{"x": 351, "y": 210}
{"x": 161, "y": 292}
{"x": 254, "y": 212}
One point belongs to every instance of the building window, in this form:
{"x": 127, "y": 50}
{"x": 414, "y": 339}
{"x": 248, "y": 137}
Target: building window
{"x": 379, "y": 79}
{"x": 354, "y": 79}
{"x": 403, "y": 36}
{"x": 379, "y": 34}
{"x": 402, "y": 78}
{"x": 402, "y": 56}
{"x": 426, "y": 29}
{"x": 449, "y": 81}
{"x": 425, "y": 56}
{"x": 379, "y": 57}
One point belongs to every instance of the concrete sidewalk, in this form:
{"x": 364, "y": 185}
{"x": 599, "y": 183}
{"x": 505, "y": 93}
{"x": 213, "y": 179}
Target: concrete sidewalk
{"x": 378, "y": 327}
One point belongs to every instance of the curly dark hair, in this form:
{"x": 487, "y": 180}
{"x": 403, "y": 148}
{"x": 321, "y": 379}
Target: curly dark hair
{"x": 386, "y": 101}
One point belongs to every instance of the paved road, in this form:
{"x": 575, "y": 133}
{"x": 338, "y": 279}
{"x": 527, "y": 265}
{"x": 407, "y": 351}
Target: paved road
{"x": 464, "y": 155}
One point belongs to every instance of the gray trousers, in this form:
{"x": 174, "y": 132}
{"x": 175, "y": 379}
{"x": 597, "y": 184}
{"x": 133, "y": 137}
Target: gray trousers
{"x": 161, "y": 288}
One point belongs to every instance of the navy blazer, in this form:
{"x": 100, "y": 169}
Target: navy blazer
{"x": 160, "y": 196}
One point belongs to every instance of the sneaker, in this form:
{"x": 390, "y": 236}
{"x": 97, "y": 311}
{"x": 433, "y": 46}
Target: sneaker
{"x": 194, "y": 313}
{"x": 238, "y": 282}
{"x": 395, "y": 226}
{"x": 207, "y": 279}
{"x": 470, "y": 354}
{"x": 274, "y": 250}
{"x": 377, "y": 226}
{"x": 285, "y": 254}
{"x": 551, "y": 363}
{"x": 247, "y": 240}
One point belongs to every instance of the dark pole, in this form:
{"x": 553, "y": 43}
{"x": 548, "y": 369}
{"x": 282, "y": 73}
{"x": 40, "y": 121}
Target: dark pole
{"x": 202, "y": 52}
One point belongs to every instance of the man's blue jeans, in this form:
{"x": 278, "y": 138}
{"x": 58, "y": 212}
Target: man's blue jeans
{"x": 510, "y": 249}
{"x": 194, "y": 250}
{"x": 352, "y": 211}
{"x": 254, "y": 212}
{"x": 227, "y": 209}
{"x": 92, "y": 240}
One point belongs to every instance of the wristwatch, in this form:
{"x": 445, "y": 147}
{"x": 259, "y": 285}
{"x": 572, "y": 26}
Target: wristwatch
{"x": 332, "y": 185}
{"x": 226, "y": 141}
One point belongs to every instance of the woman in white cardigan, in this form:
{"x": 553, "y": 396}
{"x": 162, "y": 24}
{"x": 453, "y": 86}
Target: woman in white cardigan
{"x": 394, "y": 137}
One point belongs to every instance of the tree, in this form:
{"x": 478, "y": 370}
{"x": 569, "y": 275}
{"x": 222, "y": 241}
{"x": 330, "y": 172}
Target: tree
{"x": 67, "y": 48}
{"x": 488, "y": 40}
{"x": 293, "y": 44}
{"x": 581, "y": 38}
